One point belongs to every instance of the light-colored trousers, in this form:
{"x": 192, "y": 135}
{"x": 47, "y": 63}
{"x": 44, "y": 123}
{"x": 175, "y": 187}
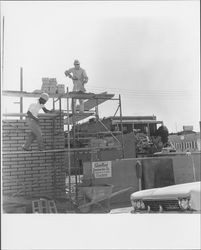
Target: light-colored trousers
{"x": 35, "y": 133}
{"x": 81, "y": 102}
{"x": 78, "y": 87}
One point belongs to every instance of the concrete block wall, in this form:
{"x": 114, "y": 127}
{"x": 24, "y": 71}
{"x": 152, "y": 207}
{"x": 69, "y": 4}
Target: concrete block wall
{"x": 129, "y": 145}
{"x": 38, "y": 173}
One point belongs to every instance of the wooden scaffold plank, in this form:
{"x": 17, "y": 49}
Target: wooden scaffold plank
{"x": 60, "y": 150}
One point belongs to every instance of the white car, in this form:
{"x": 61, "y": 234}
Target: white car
{"x": 182, "y": 198}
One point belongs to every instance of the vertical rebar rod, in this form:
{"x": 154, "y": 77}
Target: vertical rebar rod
{"x": 60, "y": 111}
{"x": 54, "y": 155}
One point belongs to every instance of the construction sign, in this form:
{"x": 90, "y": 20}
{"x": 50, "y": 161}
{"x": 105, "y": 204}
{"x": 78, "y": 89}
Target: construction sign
{"x": 102, "y": 169}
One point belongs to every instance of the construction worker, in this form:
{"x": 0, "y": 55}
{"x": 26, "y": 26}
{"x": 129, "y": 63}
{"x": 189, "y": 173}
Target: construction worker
{"x": 33, "y": 122}
{"x": 79, "y": 77}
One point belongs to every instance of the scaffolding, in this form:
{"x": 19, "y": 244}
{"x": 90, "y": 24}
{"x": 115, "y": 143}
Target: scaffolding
{"x": 71, "y": 119}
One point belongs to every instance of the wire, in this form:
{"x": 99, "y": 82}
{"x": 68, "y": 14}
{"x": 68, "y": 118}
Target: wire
{"x": 167, "y": 94}
{"x": 145, "y": 90}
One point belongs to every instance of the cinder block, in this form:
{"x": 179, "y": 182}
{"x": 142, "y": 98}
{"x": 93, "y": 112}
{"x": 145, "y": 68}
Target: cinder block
{"x": 5, "y": 160}
{"x": 27, "y": 165}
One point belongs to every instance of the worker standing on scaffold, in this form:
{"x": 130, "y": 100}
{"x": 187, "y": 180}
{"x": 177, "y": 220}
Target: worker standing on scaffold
{"x": 33, "y": 122}
{"x": 79, "y": 78}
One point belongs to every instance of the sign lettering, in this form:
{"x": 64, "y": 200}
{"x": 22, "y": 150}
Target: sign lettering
{"x": 102, "y": 169}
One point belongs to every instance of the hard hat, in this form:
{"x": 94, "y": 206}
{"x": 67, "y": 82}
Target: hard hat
{"x": 76, "y": 62}
{"x": 45, "y": 96}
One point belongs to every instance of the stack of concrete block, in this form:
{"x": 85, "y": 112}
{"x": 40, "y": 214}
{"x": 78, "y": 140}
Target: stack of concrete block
{"x": 45, "y": 85}
{"x": 50, "y": 86}
{"x": 60, "y": 89}
{"x": 33, "y": 173}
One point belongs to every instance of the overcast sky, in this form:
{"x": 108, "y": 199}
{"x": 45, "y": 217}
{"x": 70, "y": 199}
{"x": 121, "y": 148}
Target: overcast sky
{"x": 148, "y": 52}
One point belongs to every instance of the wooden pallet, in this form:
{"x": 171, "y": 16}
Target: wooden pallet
{"x": 44, "y": 206}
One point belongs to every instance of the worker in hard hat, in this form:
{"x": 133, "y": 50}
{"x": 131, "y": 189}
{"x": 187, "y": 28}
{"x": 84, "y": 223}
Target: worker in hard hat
{"x": 80, "y": 78}
{"x": 33, "y": 122}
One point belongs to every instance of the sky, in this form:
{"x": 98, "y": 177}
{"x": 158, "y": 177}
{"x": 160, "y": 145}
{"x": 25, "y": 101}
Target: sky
{"x": 148, "y": 52}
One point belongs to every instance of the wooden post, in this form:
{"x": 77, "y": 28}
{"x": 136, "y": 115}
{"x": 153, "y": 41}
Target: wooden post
{"x": 96, "y": 110}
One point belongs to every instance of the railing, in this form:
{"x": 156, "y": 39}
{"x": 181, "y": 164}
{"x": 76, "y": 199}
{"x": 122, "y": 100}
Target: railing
{"x": 185, "y": 146}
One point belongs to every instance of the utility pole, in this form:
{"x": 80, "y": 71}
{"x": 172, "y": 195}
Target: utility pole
{"x": 3, "y": 54}
{"x": 21, "y": 89}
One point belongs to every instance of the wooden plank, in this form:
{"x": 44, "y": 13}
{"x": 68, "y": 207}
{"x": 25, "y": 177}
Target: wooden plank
{"x": 25, "y": 114}
{"x": 60, "y": 150}
{"x": 28, "y": 94}
{"x": 91, "y": 103}
{"x": 80, "y": 95}
{"x": 77, "y": 117}
{"x": 136, "y": 121}
{"x": 32, "y": 151}
{"x": 77, "y": 95}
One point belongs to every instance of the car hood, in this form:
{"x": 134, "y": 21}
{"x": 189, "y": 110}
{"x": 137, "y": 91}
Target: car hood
{"x": 172, "y": 192}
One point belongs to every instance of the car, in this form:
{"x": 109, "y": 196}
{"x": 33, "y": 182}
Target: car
{"x": 180, "y": 198}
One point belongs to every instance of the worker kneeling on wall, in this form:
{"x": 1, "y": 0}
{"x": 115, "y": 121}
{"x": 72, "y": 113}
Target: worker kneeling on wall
{"x": 33, "y": 122}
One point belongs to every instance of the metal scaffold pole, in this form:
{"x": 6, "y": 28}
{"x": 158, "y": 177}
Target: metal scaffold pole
{"x": 74, "y": 141}
{"x": 54, "y": 155}
{"x": 69, "y": 156}
{"x": 122, "y": 136}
